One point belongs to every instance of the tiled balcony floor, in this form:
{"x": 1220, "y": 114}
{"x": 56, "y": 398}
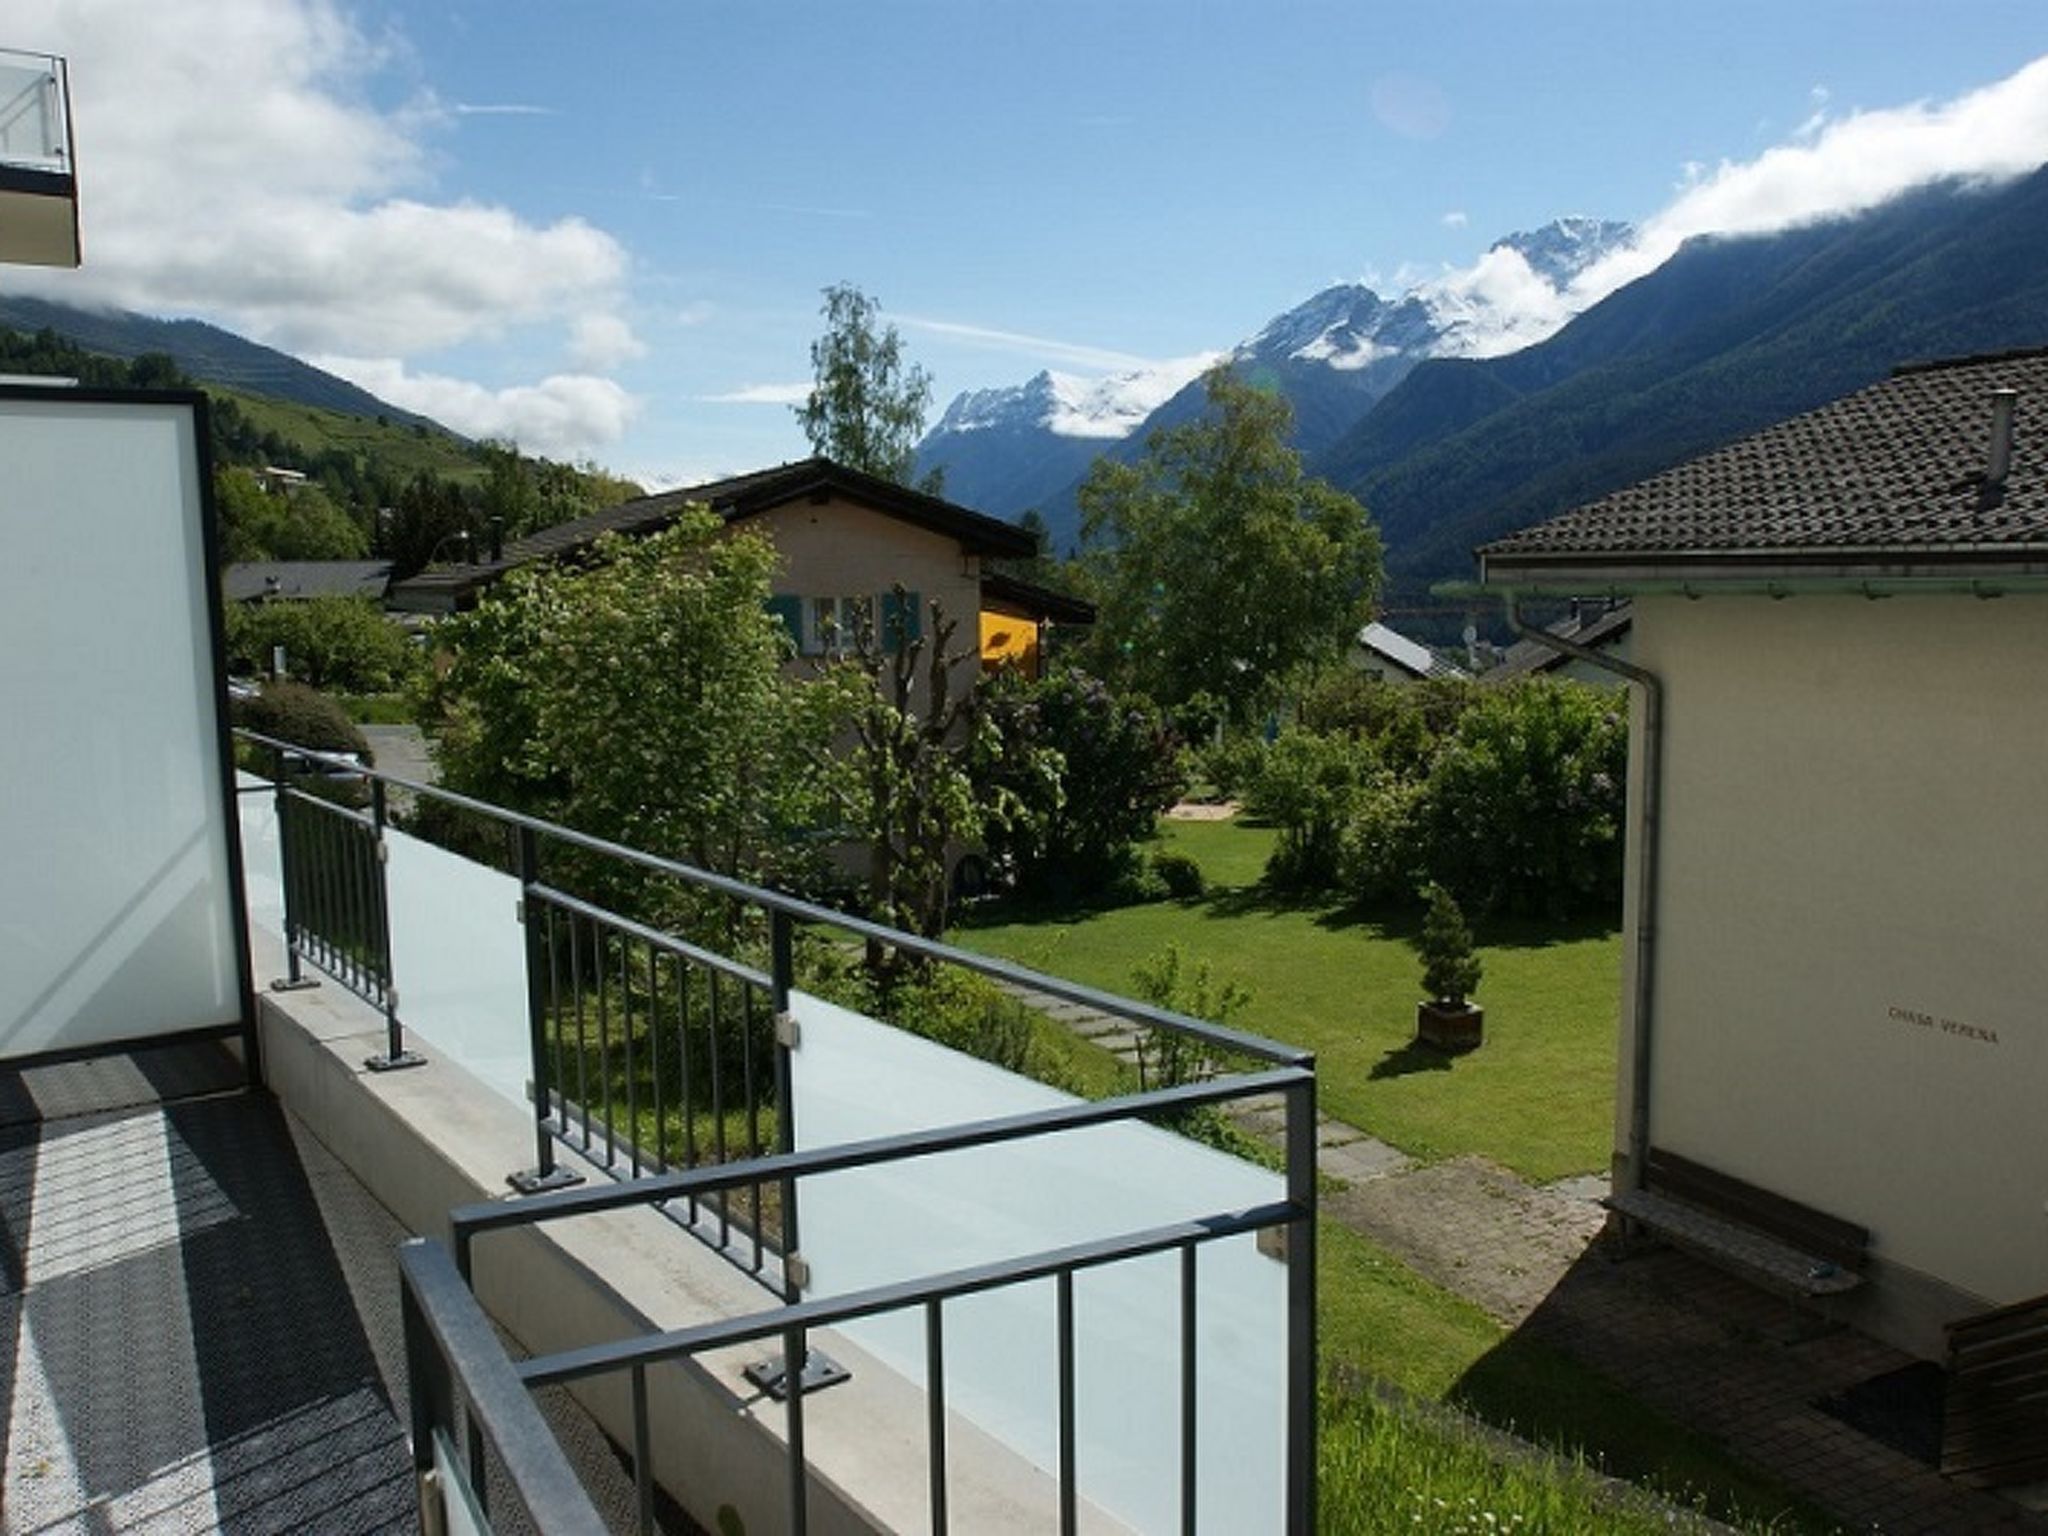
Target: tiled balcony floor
{"x": 180, "y": 1350}
{"x": 199, "y": 1315}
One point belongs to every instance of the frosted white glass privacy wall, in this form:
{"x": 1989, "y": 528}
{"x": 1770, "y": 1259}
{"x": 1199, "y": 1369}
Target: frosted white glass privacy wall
{"x": 120, "y": 916}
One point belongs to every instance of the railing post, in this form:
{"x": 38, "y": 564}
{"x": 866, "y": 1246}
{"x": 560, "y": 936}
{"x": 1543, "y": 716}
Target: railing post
{"x": 432, "y": 1406}
{"x": 288, "y": 876}
{"x": 1302, "y": 1379}
{"x": 395, "y": 1054}
{"x": 781, "y": 981}
{"x": 545, "y": 1173}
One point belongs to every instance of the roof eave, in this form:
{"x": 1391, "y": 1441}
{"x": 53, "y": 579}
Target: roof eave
{"x": 1620, "y": 573}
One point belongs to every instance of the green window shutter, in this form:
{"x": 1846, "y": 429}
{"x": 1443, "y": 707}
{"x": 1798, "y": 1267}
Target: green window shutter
{"x": 902, "y": 619}
{"x": 790, "y": 610}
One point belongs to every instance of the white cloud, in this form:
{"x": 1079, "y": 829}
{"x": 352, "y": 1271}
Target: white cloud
{"x": 1456, "y": 219}
{"x": 761, "y": 394}
{"x": 1835, "y": 168}
{"x": 1497, "y": 305}
{"x": 564, "y": 416}
{"x": 599, "y": 342}
{"x": 231, "y": 166}
{"x": 1017, "y": 341}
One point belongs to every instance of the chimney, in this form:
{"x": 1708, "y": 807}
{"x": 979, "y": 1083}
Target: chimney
{"x": 2002, "y": 403}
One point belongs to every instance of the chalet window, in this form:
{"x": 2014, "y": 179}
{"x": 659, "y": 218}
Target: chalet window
{"x": 832, "y": 625}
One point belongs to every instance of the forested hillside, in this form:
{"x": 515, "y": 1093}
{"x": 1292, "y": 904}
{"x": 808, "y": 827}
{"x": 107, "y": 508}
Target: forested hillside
{"x": 407, "y": 491}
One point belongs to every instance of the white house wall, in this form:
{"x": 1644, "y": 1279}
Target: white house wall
{"x": 1851, "y": 953}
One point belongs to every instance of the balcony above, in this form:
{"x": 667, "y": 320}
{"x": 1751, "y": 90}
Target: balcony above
{"x": 38, "y": 175}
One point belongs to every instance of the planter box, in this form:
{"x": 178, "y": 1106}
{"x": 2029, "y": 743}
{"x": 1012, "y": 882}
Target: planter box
{"x": 1458, "y": 1027}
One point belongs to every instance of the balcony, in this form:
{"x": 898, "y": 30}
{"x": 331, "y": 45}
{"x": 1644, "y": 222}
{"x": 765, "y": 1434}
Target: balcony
{"x": 38, "y": 175}
{"x": 649, "y": 1168}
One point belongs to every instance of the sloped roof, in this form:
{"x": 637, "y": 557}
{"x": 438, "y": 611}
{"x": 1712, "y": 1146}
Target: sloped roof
{"x": 1411, "y": 656}
{"x": 734, "y": 498}
{"x": 254, "y": 579}
{"x": 1525, "y": 658}
{"x": 1890, "y": 477}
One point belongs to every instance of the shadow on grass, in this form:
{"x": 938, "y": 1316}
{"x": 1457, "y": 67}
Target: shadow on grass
{"x": 1407, "y": 1059}
{"x": 1530, "y": 1385}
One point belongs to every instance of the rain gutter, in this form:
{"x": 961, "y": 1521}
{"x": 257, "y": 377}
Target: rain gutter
{"x": 1644, "y": 836}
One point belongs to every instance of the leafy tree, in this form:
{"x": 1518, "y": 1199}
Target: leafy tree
{"x": 432, "y": 523}
{"x": 866, "y": 409}
{"x": 918, "y": 740}
{"x": 1524, "y": 806}
{"x": 300, "y": 524}
{"x": 643, "y": 698}
{"x": 1222, "y": 567}
{"x": 1309, "y": 785}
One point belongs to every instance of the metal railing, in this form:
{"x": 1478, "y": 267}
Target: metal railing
{"x": 451, "y": 1352}
{"x": 791, "y": 1323}
{"x": 331, "y": 862}
{"x": 623, "y": 1017}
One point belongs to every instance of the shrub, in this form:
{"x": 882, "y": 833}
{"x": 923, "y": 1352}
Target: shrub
{"x": 1403, "y": 721}
{"x": 1180, "y": 873}
{"x": 1119, "y": 767}
{"x": 1309, "y": 786}
{"x": 1168, "y": 1059}
{"x": 302, "y": 716}
{"x": 1450, "y": 968}
{"x": 342, "y": 643}
{"x": 1524, "y": 807}
{"x": 1380, "y": 855}
{"x": 967, "y": 1012}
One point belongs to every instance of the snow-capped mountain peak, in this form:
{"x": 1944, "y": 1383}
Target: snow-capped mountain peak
{"x": 1068, "y": 405}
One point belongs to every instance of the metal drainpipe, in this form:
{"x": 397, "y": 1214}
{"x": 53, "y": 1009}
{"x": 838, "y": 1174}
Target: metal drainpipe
{"x": 1646, "y": 882}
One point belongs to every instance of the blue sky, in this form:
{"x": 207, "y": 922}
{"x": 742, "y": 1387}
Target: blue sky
{"x": 603, "y": 226}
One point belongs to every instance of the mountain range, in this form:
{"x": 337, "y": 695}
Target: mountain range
{"x": 1334, "y": 356}
{"x": 1477, "y": 404}
{"x": 205, "y": 352}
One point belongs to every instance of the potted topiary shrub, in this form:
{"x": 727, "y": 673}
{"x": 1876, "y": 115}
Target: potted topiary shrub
{"x": 1448, "y": 1020}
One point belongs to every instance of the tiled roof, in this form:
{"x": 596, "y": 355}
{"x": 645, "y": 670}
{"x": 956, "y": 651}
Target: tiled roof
{"x": 734, "y": 498}
{"x": 1890, "y": 474}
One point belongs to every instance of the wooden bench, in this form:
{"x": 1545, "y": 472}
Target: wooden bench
{"x": 1995, "y": 1421}
{"x": 1782, "y": 1244}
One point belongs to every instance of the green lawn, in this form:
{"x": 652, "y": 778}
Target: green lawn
{"x": 1538, "y": 1097}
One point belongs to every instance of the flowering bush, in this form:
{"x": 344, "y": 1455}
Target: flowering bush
{"x": 1115, "y": 765}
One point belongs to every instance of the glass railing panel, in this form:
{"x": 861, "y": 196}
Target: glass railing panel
{"x": 33, "y": 131}
{"x": 856, "y": 1079}
{"x": 458, "y": 957}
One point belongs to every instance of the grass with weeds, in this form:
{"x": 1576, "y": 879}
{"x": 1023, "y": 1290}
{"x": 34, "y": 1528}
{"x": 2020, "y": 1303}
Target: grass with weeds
{"x": 1388, "y": 1468}
{"x": 1380, "y": 1320}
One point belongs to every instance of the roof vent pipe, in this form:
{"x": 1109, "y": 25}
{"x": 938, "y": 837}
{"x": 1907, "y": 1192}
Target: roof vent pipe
{"x": 2002, "y": 403}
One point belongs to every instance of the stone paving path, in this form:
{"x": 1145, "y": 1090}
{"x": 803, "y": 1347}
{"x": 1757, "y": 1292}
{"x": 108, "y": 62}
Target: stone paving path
{"x": 1701, "y": 1347}
{"x": 1342, "y": 1151}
